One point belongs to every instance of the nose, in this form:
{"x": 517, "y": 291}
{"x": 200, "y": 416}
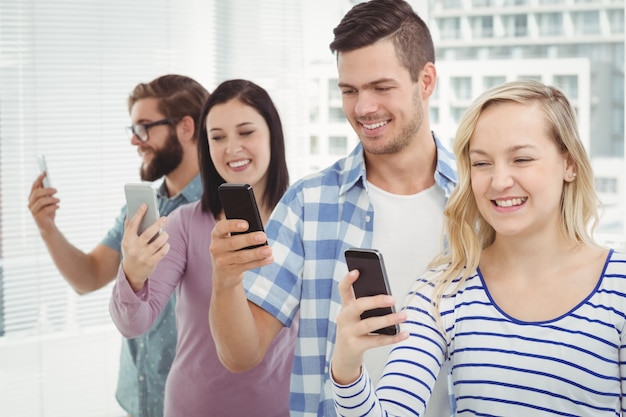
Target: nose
{"x": 233, "y": 147}
{"x": 134, "y": 140}
{"x": 502, "y": 178}
{"x": 365, "y": 104}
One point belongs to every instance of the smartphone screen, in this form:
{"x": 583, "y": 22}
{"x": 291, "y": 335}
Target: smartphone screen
{"x": 43, "y": 167}
{"x": 238, "y": 202}
{"x": 136, "y": 195}
{"x": 372, "y": 281}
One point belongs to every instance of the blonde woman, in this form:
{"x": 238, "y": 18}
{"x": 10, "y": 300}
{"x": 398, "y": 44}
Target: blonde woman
{"x": 525, "y": 309}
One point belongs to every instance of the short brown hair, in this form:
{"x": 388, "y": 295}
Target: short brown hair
{"x": 367, "y": 23}
{"x": 178, "y": 96}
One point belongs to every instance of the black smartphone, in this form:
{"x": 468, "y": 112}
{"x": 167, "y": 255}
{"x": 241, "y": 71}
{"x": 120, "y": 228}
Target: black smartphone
{"x": 372, "y": 281}
{"x": 238, "y": 202}
{"x": 136, "y": 195}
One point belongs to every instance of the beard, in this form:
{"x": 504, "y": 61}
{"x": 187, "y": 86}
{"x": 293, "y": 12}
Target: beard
{"x": 406, "y": 135}
{"x": 165, "y": 160}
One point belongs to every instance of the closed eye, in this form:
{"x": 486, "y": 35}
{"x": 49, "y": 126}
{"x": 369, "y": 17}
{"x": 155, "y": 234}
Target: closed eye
{"x": 479, "y": 164}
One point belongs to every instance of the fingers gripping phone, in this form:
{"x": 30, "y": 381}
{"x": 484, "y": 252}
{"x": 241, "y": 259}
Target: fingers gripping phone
{"x": 136, "y": 195}
{"x": 43, "y": 167}
{"x": 372, "y": 281}
{"x": 238, "y": 202}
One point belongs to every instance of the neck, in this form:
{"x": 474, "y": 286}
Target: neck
{"x": 406, "y": 172}
{"x": 514, "y": 253}
{"x": 179, "y": 178}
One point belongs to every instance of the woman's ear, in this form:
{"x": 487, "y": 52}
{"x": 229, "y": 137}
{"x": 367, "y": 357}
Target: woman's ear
{"x": 570, "y": 170}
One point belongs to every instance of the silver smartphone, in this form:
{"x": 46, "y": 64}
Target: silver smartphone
{"x": 43, "y": 167}
{"x": 136, "y": 195}
{"x": 372, "y": 281}
{"x": 238, "y": 202}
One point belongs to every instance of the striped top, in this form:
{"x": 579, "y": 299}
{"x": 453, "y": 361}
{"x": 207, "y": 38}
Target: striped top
{"x": 568, "y": 366}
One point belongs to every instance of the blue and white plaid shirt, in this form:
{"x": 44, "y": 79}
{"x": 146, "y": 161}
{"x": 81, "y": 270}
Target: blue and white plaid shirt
{"x": 316, "y": 220}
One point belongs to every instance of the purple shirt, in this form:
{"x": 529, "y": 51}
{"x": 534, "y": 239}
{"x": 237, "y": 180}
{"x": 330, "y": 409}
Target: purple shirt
{"x": 198, "y": 384}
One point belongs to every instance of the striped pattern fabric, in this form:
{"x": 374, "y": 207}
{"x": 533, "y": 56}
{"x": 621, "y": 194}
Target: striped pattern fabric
{"x": 500, "y": 366}
{"x": 317, "y": 219}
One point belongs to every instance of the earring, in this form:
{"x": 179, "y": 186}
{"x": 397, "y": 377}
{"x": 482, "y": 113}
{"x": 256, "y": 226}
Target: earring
{"x": 571, "y": 175}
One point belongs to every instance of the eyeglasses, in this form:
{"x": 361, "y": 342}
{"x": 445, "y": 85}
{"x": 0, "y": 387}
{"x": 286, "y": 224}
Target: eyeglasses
{"x": 141, "y": 129}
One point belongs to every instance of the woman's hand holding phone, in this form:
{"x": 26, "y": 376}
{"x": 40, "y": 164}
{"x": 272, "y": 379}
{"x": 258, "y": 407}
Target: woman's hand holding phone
{"x": 229, "y": 259}
{"x": 142, "y": 252}
{"x": 356, "y": 335}
{"x": 238, "y": 243}
{"x": 142, "y": 246}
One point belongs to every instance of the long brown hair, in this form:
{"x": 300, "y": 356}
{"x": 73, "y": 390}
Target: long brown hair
{"x": 256, "y": 97}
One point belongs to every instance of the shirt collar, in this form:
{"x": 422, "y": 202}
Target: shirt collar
{"x": 445, "y": 171}
{"x": 191, "y": 192}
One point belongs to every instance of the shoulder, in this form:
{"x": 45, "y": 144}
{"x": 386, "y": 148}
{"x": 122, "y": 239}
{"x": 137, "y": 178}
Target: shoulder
{"x": 193, "y": 190}
{"x": 446, "y": 171}
{"x": 189, "y": 209}
{"x": 615, "y": 265}
{"x": 434, "y": 283}
{"x": 190, "y": 215}
{"x": 329, "y": 182}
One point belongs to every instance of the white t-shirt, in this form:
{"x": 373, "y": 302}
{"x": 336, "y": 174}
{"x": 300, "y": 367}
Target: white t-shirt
{"x": 408, "y": 233}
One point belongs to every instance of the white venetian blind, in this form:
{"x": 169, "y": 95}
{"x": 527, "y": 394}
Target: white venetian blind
{"x": 66, "y": 68}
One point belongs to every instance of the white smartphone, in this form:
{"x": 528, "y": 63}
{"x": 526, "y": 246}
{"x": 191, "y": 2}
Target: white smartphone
{"x": 372, "y": 281}
{"x": 43, "y": 167}
{"x": 136, "y": 195}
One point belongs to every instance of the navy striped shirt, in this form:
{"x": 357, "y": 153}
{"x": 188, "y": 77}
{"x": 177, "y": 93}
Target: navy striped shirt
{"x": 568, "y": 366}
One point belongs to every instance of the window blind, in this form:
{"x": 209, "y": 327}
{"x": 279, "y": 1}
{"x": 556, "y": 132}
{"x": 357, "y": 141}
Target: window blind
{"x": 66, "y": 69}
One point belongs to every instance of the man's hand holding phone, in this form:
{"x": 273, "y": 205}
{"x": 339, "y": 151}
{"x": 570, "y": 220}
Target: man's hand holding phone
{"x": 41, "y": 201}
{"x": 43, "y": 169}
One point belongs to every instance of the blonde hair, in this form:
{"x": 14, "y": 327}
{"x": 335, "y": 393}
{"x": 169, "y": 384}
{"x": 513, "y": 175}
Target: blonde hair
{"x": 466, "y": 230}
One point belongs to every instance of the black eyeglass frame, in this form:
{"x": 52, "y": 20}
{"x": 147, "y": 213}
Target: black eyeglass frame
{"x": 146, "y": 126}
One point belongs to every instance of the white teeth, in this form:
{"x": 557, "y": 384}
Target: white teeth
{"x": 238, "y": 164}
{"x": 375, "y": 125}
{"x": 510, "y": 203}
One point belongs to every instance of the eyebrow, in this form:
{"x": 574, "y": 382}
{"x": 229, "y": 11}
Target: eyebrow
{"x": 239, "y": 125}
{"x": 511, "y": 149}
{"x": 368, "y": 85}
{"x": 144, "y": 121}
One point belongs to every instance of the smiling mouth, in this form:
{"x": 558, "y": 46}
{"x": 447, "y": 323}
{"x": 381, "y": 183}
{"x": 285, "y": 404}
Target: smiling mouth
{"x": 510, "y": 203}
{"x": 239, "y": 164}
{"x": 375, "y": 125}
